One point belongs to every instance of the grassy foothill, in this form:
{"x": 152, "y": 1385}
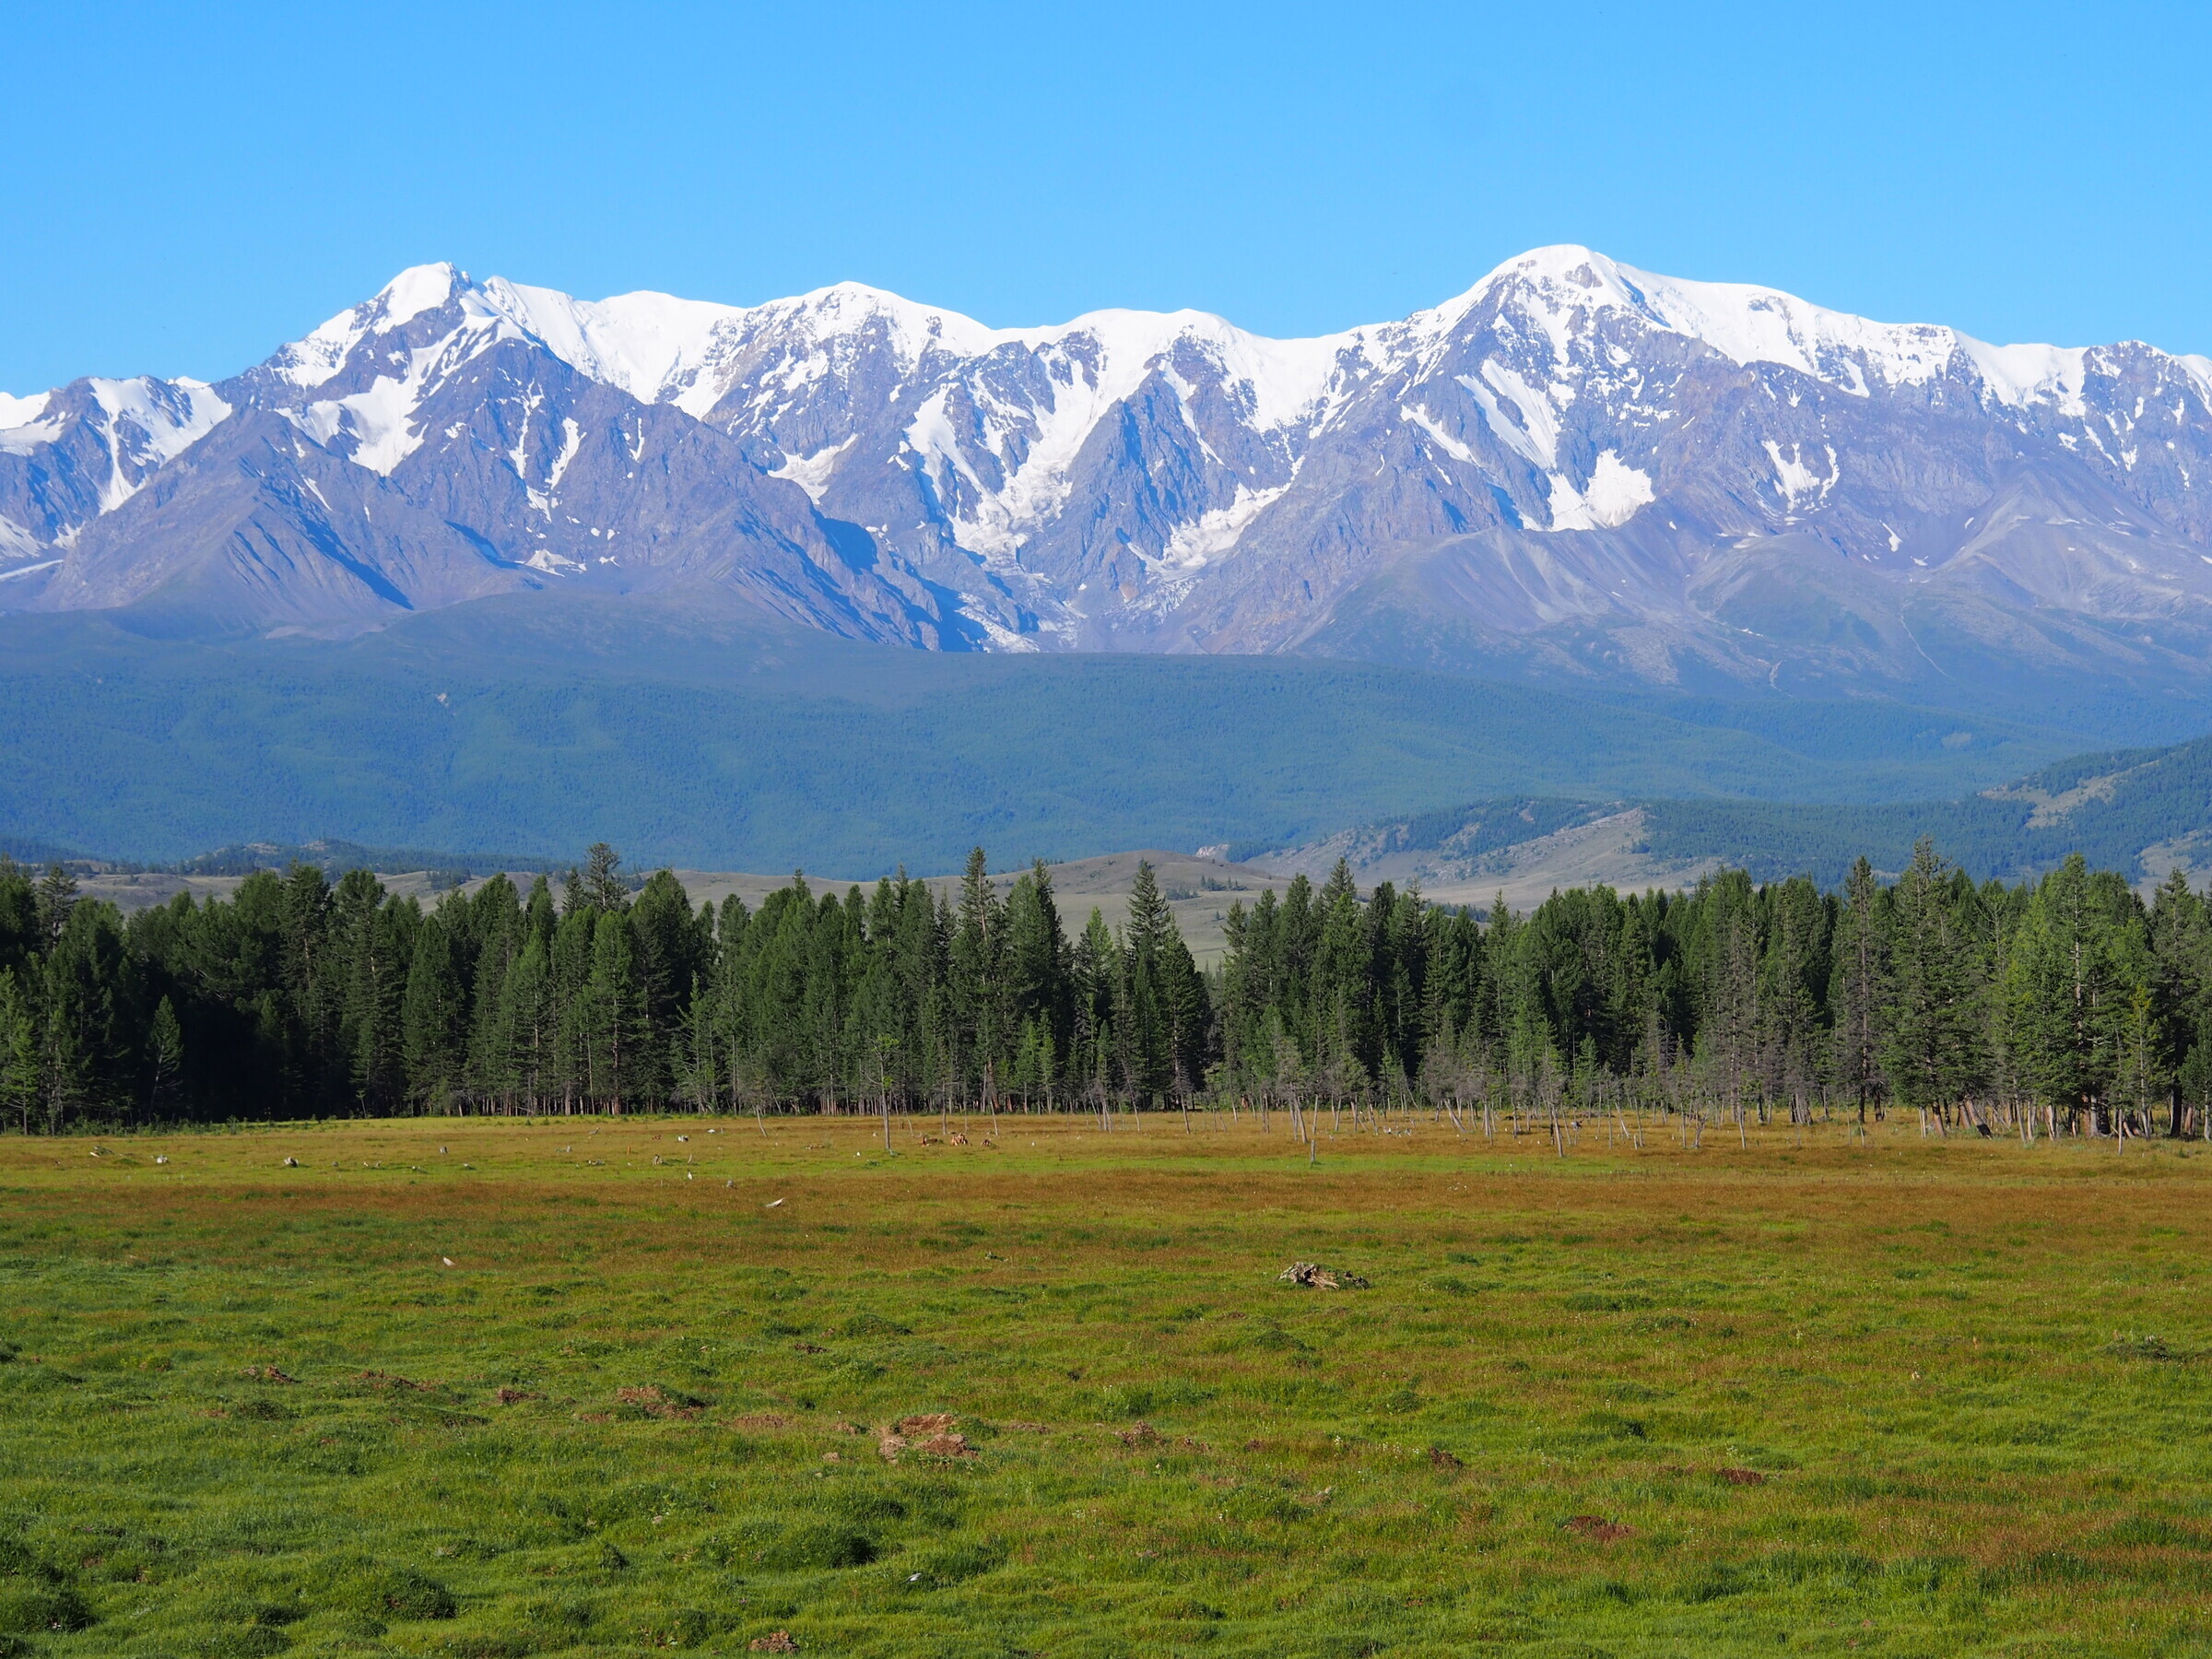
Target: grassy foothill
{"x": 480, "y": 1388}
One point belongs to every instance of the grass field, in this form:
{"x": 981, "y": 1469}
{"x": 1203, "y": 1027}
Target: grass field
{"x": 1910, "y": 1398}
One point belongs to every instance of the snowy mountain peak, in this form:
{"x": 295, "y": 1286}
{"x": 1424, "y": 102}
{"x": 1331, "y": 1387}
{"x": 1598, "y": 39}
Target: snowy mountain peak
{"x": 22, "y": 411}
{"x": 1574, "y": 460}
{"x": 417, "y": 289}
{"x": 1558, "y": 290}
{"x": 316, "y": 359}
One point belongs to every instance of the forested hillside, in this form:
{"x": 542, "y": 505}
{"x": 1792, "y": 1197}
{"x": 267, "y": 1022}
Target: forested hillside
{"x": 708, "y": 742}
{"x": 2067, "y": 1003}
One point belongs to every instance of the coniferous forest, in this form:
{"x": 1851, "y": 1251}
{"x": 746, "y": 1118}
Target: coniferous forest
{"x": 2060, "y": 1006}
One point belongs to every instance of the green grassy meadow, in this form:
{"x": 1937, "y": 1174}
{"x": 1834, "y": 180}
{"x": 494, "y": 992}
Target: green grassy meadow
{"x": 1810, "y": 1396}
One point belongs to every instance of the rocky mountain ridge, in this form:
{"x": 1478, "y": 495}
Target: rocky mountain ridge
{"x": 1574, "y": 471}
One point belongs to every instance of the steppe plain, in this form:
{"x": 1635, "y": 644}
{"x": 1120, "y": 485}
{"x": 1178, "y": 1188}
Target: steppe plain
{"x": 480, "y": 1388}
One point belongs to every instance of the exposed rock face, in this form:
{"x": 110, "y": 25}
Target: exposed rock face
{"x": 1575, "y": 470}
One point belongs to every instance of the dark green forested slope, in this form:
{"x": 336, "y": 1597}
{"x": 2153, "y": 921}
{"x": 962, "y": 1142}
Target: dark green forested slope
{"x": 694, "y": 736}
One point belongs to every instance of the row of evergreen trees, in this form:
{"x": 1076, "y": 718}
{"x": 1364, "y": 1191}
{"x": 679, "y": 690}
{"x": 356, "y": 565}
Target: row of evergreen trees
{"x": 2063, "y": 1004}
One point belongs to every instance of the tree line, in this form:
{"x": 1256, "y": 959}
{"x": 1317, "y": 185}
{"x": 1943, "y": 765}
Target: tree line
{"x": 2062, "y": 1005}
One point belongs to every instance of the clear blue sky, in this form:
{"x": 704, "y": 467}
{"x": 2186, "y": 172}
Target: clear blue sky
{"x": 184, "y": 187}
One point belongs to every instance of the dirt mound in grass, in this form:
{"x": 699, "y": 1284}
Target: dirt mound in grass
{"x": 1598, "y": 1528}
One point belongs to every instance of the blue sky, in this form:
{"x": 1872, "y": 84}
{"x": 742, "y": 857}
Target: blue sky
{"x": 185, "y": 187}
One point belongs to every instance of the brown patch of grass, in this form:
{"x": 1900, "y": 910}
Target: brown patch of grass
{"x": 1597, "y": 1528}
{"x": 655, "y": 1401}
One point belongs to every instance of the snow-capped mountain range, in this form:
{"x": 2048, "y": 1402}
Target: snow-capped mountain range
{"x": 1574, "y": 469}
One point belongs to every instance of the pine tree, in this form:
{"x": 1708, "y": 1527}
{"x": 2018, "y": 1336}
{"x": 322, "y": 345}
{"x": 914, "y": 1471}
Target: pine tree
{"x": 1098, "y": 980}
{"x": 21, "y": 938}
{"x": 164, "y": 1057}
{"x": 978, "y": 985}
{"x": 56, "y": 896}
{"x": 672, "y": 952}
{"x": 2180, "y": 949}
{"x": 610, "y": 1002}
{"x": 568, "y": 954}
{"x": 2072, "y": 981}
{"x": 434, "y": 1018}
{"x": 1861, "y": 970}
{"x": 527, "y": 1024}
{"x": 21, "y": 1090}
{"x": 1933, "y": 1051}
{"x": 1793, "y": 973}
{"x": 603, "y": 888}
{"x": 1036, "y": 968}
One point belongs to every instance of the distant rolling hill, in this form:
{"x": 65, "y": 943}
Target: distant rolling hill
{"x": 2144, "y": 812}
